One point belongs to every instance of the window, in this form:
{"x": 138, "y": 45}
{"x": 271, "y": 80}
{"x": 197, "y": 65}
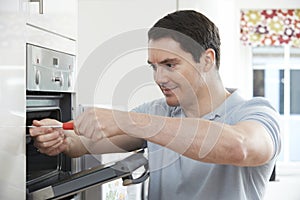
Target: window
{"x": 276, "y": 76}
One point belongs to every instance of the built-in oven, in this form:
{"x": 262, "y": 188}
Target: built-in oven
{"x": 50, "y": 94}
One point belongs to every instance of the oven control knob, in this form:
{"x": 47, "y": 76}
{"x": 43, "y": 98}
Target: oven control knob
{"x": 58, "y": 79}
{"x": 61, "y": 81}
{"x": 37, "y": 77}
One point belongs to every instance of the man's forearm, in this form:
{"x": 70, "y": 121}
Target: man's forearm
{"x": 80, "y": 145}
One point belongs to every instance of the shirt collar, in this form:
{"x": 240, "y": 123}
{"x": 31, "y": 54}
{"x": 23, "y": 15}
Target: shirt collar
{"x": 233, "y": 100}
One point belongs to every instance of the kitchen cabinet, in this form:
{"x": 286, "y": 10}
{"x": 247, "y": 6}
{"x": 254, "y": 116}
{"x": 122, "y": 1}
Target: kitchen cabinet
{"x": 52, "y": 23}
{"x": 55, "y": 16}
{"x": 12, "y": 101}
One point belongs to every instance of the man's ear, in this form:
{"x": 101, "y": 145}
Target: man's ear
{"x": 209, "y": 59}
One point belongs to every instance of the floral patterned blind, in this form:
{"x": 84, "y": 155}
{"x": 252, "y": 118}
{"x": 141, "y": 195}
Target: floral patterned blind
{"x": 270, "y": 27}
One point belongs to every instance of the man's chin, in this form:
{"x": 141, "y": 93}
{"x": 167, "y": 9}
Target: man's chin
{"x": 172, "y": 102}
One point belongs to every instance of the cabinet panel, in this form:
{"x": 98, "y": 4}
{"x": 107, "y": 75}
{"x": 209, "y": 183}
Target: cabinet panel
{"x": 45, "y": 39}
{"x": 56, "y": 16}
{"x": 12, "y": 101}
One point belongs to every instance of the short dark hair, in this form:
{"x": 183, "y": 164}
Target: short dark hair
{"x": 192, "y": 30}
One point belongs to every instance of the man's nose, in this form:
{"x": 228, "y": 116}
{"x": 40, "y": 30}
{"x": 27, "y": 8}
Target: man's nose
{"x": 160, "y": 75}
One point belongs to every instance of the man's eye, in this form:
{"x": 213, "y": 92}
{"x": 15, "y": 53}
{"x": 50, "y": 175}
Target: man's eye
{"x": 170, "y": 65}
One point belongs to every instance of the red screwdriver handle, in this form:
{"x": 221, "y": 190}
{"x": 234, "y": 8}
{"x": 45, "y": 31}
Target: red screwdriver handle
{"x": 68, "y": 125}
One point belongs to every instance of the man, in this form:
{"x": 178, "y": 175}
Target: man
{"x": 204, "y": 141}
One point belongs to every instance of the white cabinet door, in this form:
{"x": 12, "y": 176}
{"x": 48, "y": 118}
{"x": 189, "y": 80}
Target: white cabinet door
{"x": 55, "y": 16}
{"x": 12, "y": 101}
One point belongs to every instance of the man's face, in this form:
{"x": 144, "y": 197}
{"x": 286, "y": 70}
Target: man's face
{"x": 175, "y": 72}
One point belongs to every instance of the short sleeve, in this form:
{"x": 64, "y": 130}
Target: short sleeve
{"x": 259, "y": 109}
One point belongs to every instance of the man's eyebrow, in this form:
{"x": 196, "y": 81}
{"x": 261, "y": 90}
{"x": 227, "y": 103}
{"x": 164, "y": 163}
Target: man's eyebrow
{"x": 168, "y": 60}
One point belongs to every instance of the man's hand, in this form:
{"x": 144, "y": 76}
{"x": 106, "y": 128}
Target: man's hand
{"x": 50, "y": 141}
{"x": 99, "y": 123}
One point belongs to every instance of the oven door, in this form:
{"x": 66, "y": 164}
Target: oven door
{"x": 86, "y": 179}
{"x": 43, "y": 170}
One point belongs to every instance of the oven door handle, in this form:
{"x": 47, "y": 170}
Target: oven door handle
{"x": 36, "y": 109}
{"x": 83, "y": 180}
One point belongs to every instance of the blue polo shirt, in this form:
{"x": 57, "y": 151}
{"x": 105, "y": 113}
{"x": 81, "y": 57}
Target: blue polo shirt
{"x": 174, "y": 176}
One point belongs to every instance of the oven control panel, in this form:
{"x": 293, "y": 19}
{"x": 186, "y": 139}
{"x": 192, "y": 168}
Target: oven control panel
{"x": 49, "y": 70}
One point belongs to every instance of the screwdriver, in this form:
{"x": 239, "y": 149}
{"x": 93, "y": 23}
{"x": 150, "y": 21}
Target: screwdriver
{"x": 65, "y": 126}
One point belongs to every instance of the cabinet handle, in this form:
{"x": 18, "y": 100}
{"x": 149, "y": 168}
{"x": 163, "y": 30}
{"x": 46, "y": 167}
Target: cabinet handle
{"x": 41, "y": 5}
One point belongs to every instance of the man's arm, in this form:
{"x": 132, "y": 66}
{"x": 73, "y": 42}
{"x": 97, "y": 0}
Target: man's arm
{"x": 245, "y": 144}
{"x": 116, "y": 144}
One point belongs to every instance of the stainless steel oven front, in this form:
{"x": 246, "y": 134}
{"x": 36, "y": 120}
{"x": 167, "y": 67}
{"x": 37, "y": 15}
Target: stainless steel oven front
{"x": 49, "y": 94}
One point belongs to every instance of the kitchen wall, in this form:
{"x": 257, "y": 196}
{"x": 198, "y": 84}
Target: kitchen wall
{"x": 112, "y": 44}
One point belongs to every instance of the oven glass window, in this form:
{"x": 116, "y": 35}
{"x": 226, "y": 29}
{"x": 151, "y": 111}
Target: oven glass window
{"x": 39, "y": 164}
